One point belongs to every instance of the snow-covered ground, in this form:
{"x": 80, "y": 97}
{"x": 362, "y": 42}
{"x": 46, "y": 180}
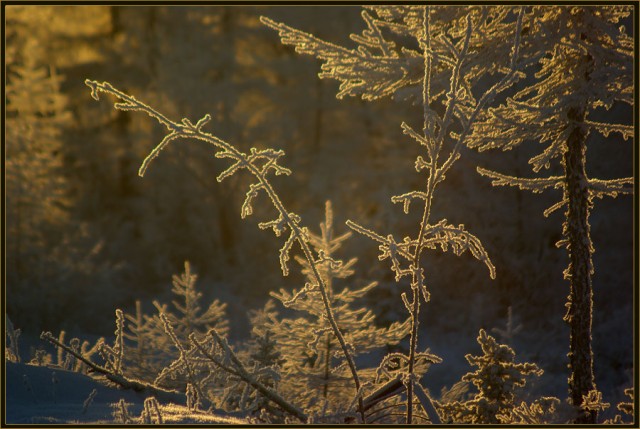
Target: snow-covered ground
{"x": 45, "y": 395}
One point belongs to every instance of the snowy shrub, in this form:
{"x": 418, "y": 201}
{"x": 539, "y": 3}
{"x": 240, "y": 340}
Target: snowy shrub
{"x": 41, "y": 358}
{"x": 71, "y": 357}
{"x": 144, "y": 348}
{"x": 113, "y": 355}
{"x": 545, "y": 410}
{"x": 189, "y": 317}
{"x": 497, "y": 377}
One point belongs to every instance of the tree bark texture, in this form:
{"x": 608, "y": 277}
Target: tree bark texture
{"x": 577, "y": 232}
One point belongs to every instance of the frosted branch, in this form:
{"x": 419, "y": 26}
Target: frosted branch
{"x": 460, "y": 241}
{"x": 405, "y": 199}
{"x": 554, "y": 207}
{"x": 487, "y": 97}
{"x": 536, "y": 185}
{"x": 359, "y": 71}
{"x": 240, "y": 371}
{"x": 125, "y": 383}
{"x": 426, "y": 141}
{"x": 611, "y": 188}
{"x": 372, "y": 37}
{"x": 284, "y": 253}
{"x": 605, "y": 129}
{"x": 183, "y": 361}
{"x": 554, "y": 150}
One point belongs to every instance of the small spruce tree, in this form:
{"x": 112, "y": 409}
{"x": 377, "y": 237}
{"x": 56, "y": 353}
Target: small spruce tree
{"x": 312, "y": 367}
{"x": 189, "y": 316}
{"x": 497, "y": 378}
{"x": 148, "y": 347}
{"x": 265, "y": 357}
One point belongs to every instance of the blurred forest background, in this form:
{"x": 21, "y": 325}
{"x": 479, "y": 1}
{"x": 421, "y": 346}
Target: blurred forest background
{"x": 85, "y": 234}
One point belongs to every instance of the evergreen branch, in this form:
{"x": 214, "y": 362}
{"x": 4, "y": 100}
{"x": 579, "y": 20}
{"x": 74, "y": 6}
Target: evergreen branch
{"x": 408, "y": 15}
{"x": 372, "y": 37}
{"x": 306, "y": 43}
{"x": 289, "y": 299}
{"x": 556, "y": 149}
{"x": 359, "y": 71}
{"x": 536, "y": 185}
{"x": 611, "y": 188}
{"x": 327, "y": 260}
{"x": 605, "y": 129}
{"x": 486, "y": 98}
{"x": 349, "y": 295}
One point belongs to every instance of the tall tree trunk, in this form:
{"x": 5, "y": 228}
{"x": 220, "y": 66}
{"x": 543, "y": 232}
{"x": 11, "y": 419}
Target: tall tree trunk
{"x": 577, "y": 232}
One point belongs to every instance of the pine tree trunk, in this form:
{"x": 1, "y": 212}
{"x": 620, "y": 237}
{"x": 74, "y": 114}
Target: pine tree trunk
{"x": 577, "y": 232}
